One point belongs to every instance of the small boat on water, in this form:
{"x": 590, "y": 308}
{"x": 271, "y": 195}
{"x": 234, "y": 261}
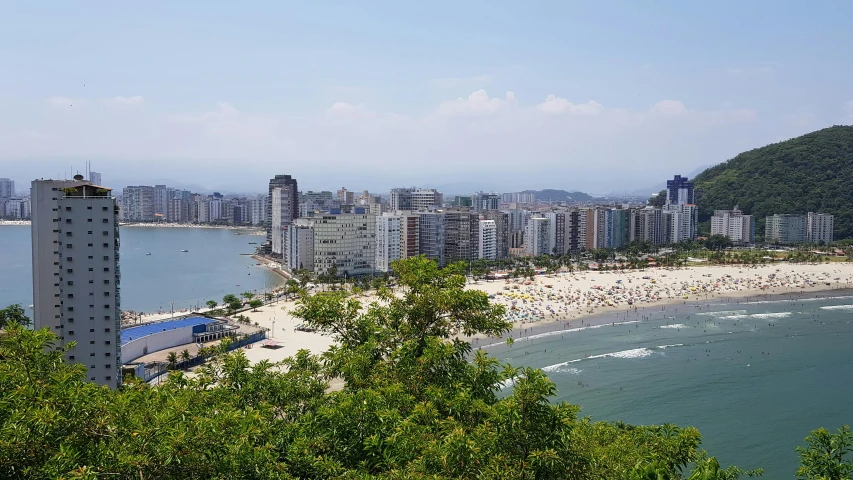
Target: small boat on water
{"x": 253, "y": 243}
{"x": 149, "y": 253}
{"x": 184, "y": 251}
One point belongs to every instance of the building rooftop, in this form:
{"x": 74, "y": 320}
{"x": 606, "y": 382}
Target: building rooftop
{"x": 133, "y": 333}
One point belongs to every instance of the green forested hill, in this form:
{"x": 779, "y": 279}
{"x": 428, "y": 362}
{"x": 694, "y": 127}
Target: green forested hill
{"x": 811, "y": 173}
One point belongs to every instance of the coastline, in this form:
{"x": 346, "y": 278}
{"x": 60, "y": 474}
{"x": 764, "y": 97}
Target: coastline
{"x": 273, "y": 265}
{"x": 615, "y": 317}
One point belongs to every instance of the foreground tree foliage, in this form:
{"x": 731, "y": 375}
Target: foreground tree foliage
{"x": 417, "y": 403}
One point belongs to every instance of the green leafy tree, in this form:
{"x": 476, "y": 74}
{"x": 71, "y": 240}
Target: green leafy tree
{"x": 13, "y": 314}
{"x": 827, "y": 456}
{"x": 247, "y": 295}
{"x": 211, "y": 304}
{"x": 172, "y": 358}
{"x": 255, "y": 304}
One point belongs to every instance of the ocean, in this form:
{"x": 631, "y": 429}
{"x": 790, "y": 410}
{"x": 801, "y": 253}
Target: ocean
{"x": 215, "y": 265}
{"x": 754, "y": 377}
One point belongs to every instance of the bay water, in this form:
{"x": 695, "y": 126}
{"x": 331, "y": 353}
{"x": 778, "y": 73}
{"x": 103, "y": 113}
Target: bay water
{"x": 217, "y": 262}
{"x": 754, "y": 377}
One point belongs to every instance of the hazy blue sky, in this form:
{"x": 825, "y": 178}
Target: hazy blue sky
{"x": 599, "y": 96}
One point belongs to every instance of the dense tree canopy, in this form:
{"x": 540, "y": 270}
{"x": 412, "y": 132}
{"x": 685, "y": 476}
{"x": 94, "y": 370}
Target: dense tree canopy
{"x": 811, "y": 173}
{"x": 417, "y": 403}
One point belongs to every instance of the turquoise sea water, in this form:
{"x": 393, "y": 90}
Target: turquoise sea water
{"x": 212, "y": 267}
{"x": 754, "y": 377}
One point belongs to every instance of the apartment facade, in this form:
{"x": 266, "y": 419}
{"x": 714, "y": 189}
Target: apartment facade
{"x": 502, "y": 231}
{"x": 389, "y": 230}
{"x": 461, "y": 230}
{"x": 679, "y": 191}
{"x": 820, "y": 227}
{"x": 739, "y": 228}
{"x": 786, "y": 229}
{"x": 289, "y": 189}
{"x": 300, "y": 245}
{"x": 76, "y": 276}
{"x": 537, "y": 237}
{"x": 431, "y": 236}
{"x": 415, "y": 199}
{"x": 345, "y": 241}
{"x": 487, "y": 240}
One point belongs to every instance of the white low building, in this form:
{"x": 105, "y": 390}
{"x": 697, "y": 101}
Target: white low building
{"x": 739, "y": 228}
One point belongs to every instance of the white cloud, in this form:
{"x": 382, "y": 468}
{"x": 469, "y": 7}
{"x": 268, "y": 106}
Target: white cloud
{"x": 135, "y": 100}
{"x": 478, "y": 103}
{"x": 554, "y": 142}
{"x": 669, "y": 108}
{"x": 554, "y": 104}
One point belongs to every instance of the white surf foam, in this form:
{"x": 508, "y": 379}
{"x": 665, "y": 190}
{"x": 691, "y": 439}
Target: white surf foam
{"x": 838, "y": 307}
{"x": 632, "y": 353}
{"x": 757, "y": 316}
{"x": 677, "y": 325}
{"x": 721, "y": 313}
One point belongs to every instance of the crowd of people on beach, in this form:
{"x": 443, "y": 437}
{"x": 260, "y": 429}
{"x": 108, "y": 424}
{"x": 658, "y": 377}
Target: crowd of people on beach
{"x": 564, "y": 296}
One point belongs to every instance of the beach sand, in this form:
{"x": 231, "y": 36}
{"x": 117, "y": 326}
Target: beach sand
{"x": 586, "y": 299}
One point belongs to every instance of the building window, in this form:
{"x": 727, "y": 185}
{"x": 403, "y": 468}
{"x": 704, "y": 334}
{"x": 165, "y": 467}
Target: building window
{"x": 67, "y": 209}
{"x": 107, "y": 317}
{"x": 67, "y": 220}
{"x": 70, "y": 295}
{"x": 106, "y": 294}
{"x": 106, "y": 221}
{"x": 107, "y": 330}
{"x": 68, "y": 245}
{"x": 90, "y": 244}
{"x": 70, "y": 320}
{"x": 92, "y": 330}
{"x": 107, "y": 355}
{"x": 89, "y": 220}
{"x": 70, "y": 270}
{"x": 106, "y": 245}
{"x": 89, "y": 232}
{"x": 91, "y": 257}
{"x": 70, "y": 309}
{"x": 106, "y": 233}
{"x": 106, "y": 269}
{"x": 71, "y": 357}
{"x": 106, "y": 257}
{"x": 91, "y": 342}
{"x": 107, "y": 306}
{"x": 70, "y": 282}
{"x": 105, "y": 209}
{"x": 89, "y": 208}
{"x": 67, "y": 234}
{"x": 109, "y": 377}
{"x": 106, "y": 282}
{"x": 107, "y": 342}
{"x": 71, "y": 332}
{"x": 68, "y": 259}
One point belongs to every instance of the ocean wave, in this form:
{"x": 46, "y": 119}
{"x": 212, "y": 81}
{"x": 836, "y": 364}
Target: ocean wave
{"x": 557, "y": 332}
{"x": 562, "y": 368}
{"x": 757, "y": 316}
{"x": 662, "y": 347}
{"x": 838, "y": 307}
{"x": 677, "y": 325}
{"x": 812, "y": 299}
{"x": 632, "y": 353}
{"x": 721, "y": 313}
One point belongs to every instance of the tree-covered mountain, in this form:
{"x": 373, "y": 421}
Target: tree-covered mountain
{"x": 560, "y": 195}
{"x": 811, "y": 173}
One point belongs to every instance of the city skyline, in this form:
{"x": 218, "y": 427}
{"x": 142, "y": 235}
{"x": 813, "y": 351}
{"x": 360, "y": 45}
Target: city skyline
{"x": 545, "y": 96}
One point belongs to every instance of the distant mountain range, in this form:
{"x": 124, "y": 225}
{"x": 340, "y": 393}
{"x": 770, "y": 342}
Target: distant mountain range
{"x": 560, "y": 195}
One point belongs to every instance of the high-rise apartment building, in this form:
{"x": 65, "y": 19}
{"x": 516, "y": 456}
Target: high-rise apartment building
{"x": 300, "y": 245}
{"x": 502, "y": 231}
{"x": 617, "y": 227}
{"x": 7, "y": 189}
{"x": 345, "y": 241}
{"x": 487, "y": 240}
{"x": 646, "y": 226}
{"x": 819, "y": 227}
{"x": 409, "y": 236}
{"x": 16, "y": 208}
{"x": 556, "y": 232}
{"x": 679, "y": 191}
{"x": 519, "y": 197}
{"x": 485, "y": 201}
{"x": 739, "y": 228}
{"x": 786, "y": 229}
{"x": 573, "y": 231}
{"x": 415, "y": 199}
{"x": 431, "y": 243}
{"x": 95, "y": 178}
{"x": 461, "y": 230}
{"x": 682, "y": 220}
{"x": 537, "y": 237}
{"x": 289, "y": 189}
{"x": 259, "y": 209}
{"x": 75, "y": 245}
{"x": 388, "y": 240}
{"x": 138, "y": 203}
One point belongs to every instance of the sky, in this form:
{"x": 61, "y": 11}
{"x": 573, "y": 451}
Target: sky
{"x": 466, "y": 95}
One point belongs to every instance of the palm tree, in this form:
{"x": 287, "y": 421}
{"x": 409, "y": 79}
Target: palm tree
{"x": 185, "y": 355}
{"x": 172, "y": 358}
{"x": 247, "y": 295}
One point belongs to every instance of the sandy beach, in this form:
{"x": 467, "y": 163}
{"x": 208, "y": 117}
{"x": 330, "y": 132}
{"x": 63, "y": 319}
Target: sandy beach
{"x": 566, "y": 301}
{"x": 572, "y": 300}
